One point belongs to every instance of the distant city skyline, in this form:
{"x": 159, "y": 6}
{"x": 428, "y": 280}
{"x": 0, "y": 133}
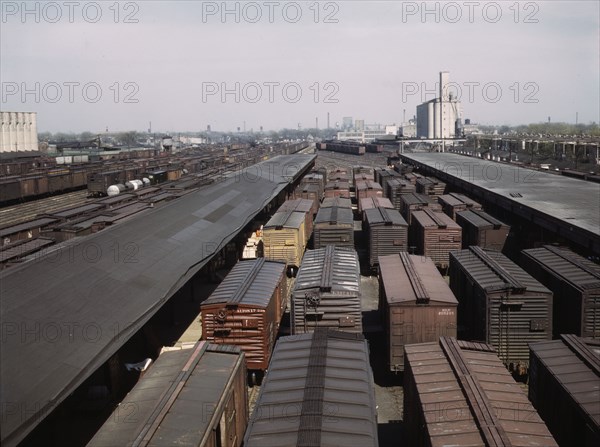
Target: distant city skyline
{"x": 186, "y": 65}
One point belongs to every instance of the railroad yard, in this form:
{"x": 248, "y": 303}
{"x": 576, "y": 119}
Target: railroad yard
{"x": 346, "y": 295}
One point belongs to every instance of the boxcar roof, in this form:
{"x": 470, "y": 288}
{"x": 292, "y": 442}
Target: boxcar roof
{"x": 580, "y": 272}
{"x": 414, "y": 198}
{"x": 330, "y": 269}
{"x": 203, "y": 372}
{"x": 454, "y": 199}
{"x": 30, "y": 224}
{"x": 367, "y": 203}
{"x": 251, "y": 282}
{"x": 302, "y": 205}
{"x": 368, "y": 185}
{"x": 318, "y": 392}
{"x": 575, "y": 363}
{"x": 286, "y": 219}
{"x": 464, "y": 386}
{"x": 434, "y": 219}
{"x": 341, "y": 202}
{"x": 491, "y": 270}
{"x": 479, "y": 219}
{"x": 335, "y": 214}
{"x": 413, "y": 279}
{"x": 383, "y": 216}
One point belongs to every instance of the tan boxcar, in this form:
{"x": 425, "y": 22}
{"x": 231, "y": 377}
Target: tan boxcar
{"x": 195, "y": 397}
{"x": 417, "y": 304}
{"x": 435, "y": 235}
{"x": 284, "y": 237}
{"x": 246, "y": 309}
{"x": 305, "y": 206}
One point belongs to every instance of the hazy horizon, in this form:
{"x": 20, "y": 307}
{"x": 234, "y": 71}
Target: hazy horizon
{"x": 169, "y": 63}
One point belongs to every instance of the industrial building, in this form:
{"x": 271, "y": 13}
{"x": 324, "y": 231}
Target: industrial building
{"x": 440, "y": 117}
{"x": 18, "y": 131}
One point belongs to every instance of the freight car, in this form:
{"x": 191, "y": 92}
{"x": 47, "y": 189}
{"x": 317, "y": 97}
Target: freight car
{"x": 458, "y": 393}
{"x": 387, "y": 233}
{"x": 415, "y": 202}
{"x": 337, "y": 189}
{"x": 375, "y": 148}
{"x": 343, "y": 147}
{"x": 374, "y": 202}
{"x": 327, "y": 291}
{"x": 453, "y": 203}
{"x": 395, "y": 188}
{"x": 284, "y": 237}
{"x": 481, "y": 229}
{"x": 434, "y": 235}
{"x": 195, "y": 396}
{"x": 340, "y": 202}
{"x": 575, "y": 283}
{"x": 313, "y": 178}
{"x": 564, "y": 382}
{"x": 430, "y": 186}
{"x": 383, "y": 175}
{"x": 304, "y": 206}
{"x": 319, "y": 391}
{"x": 500, "y": 304}
{"x": 334, "y": 226}
{"x": 157, "y": 176}
{"x": 416, "y": 302}
{"x": 367, "y": 189}
{"x": 309, "y": 191}
{"x": 246, "y": 309}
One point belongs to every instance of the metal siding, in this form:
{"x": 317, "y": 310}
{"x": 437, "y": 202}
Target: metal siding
{"x": 385, "y": 237}
{"x": 338, "y": 232}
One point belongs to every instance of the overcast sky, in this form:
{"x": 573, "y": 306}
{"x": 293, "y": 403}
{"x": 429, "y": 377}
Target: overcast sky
{"x": 184, "y": 65}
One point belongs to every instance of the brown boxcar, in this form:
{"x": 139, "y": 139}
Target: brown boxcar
{"x": 564, "y": 386}
{"x": 479, "y": 228}
{"x": 374, "y": 202}
{"x": 499, "y": 303}
{"x": 430, "y": 186}
{"x": 367, "y": 189}
{"x": 194, "y": 397}
{"x": 246, "y": 309}
{"x": 284, "y": 237}
{"x": 341, "y": 202}
{"x": 313, "y": 178}
{"x": 387, "y": 233}
{"x": 458, "y": 393}
{"x": 327, "y": 291}
{"x": 453, "y": 203}
{"x": 416, "y": 302}
{"x": 334, "y": 226}
{"x": 359, "y": 177}
{"x": 415, "y": 202}
{"x": 319, "y": 392}
{"x": 395, "y": 188}
{"x": 337, "y": 189}
{"x": 310, "y": 192}
{"x": 575, "y": 283}
{"x": 434, "y": 235}
{"x": 305, "y": 206}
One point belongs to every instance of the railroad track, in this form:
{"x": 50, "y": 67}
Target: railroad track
{"x": 15, "y": 214}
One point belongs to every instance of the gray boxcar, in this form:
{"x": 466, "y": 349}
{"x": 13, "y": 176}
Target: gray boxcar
{"x": 575, "y": 282}
{"x": 334, "y": 226}
{"x": 430, "y": 186}
{"x": 383, "y": 175}
{"x": 246, "y": 309}
{"x": 479, "y": 228}
{"x": 194, "y": 397}
{"x": 417, "y": 304}
{"x": 340, "y": 202}
{"x": 564, "y": 386}
{"x": 500, "y": 303}
{"x": 454, "y": 202}
{"x": 395, "y": 188}
{"x": 319, "y": 391}
{"x": 434, "y": 235}
{"x": 459, "y": 394}
{"x": 327, "y": 291}
{"x": 387, "y": 233}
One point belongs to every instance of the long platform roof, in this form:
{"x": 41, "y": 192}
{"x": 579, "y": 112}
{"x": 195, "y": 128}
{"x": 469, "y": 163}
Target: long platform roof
{"x": 65, "y": 313}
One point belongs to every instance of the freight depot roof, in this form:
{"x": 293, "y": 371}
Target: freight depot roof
{"x": 567, "y": 206}
{"x": 67, "y": 313}
{"x": 318, "y": 391}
